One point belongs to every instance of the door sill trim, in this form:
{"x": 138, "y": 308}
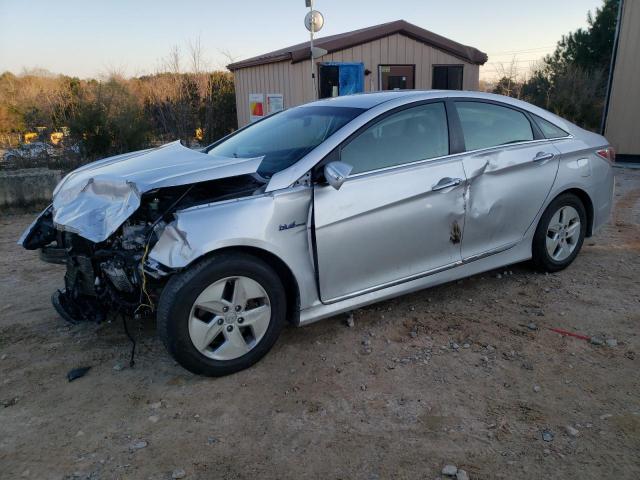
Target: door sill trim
{"x": 417, "y": 276}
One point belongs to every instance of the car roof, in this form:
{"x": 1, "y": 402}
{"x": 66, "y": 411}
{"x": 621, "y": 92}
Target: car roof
{"x": 373, "y": 99}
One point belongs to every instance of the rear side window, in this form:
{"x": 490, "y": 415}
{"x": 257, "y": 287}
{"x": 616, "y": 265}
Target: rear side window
{"x": 417, "y": 133}
{"x": 487, "y": 125}
{"x": 549, "y": 130}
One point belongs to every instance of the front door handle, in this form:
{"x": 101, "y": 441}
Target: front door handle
{"x": 446, "y": 182}
{"x": 542, "y": 156}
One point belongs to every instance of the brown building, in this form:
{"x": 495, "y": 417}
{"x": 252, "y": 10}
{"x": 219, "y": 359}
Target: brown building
{"x": 396, "y": 55}
{"x": 622, "y": 113}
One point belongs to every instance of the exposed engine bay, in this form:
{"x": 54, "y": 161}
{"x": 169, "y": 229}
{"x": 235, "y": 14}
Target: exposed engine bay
{"x": 110, "y": 276}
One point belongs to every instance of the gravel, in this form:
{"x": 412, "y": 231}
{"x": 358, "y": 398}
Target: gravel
{"x": 571, "y": 431}
{"x": 547, "y": 435}
{"x": 462, "y": 475}
{"x": 138, "y": 444}
{"x": 449, "y": 470}
{"x": 179, "y": 473}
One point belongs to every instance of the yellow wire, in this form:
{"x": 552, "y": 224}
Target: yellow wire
{"x": 150, "y": 305}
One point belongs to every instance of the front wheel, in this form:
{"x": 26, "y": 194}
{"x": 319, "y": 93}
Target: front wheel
{"x": 560, "y": 233}
{"x": 222, "y": 315}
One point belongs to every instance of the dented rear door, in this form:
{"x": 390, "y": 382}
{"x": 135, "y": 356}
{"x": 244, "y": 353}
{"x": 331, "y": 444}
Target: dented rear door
{"x": 506, "y": 188}
{"x": 510, "y": 170}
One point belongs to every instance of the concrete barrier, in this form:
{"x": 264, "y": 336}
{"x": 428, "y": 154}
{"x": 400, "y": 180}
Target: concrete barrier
{"x": 27, "y": 188}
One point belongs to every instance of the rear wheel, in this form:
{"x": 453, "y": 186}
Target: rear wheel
{"x": 222, "y": 315}
{"x": 560, "y": 233}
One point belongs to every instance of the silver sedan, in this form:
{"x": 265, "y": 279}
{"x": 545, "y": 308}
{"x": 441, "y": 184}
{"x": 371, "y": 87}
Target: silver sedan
{"x": 317, "y": 210}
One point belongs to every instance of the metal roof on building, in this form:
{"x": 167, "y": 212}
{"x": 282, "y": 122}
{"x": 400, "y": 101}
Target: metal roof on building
{"x": 341, "y": 41}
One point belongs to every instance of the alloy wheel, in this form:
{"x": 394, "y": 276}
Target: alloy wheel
{"x": 229, "y": 318}
{"x": 563, "y": 233}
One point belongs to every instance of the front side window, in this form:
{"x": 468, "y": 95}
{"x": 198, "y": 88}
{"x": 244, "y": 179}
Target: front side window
{"x": 487, "y": 125}
{"x": 413, "y": 134}
{"x": 286, "y": 137}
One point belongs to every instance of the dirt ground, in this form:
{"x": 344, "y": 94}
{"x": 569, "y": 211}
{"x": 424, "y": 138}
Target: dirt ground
{"x": 390, "y": 398}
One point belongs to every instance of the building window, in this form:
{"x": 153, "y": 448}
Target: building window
{"x": 396, "y": 77}
{"x": 447, "y": 77}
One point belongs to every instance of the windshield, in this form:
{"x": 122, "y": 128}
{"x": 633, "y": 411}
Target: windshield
{"x": 286, "y": 137}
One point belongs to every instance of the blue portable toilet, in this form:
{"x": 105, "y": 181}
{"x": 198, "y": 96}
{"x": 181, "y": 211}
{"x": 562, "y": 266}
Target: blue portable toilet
{"x": 340, "y": 78}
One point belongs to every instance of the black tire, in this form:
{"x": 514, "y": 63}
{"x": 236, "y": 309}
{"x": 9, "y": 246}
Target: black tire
{"x": 541, "y": 258}
{"x": 181, "y": 292}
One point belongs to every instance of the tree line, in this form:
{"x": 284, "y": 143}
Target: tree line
{"x": 572, "y": 81}
{"x": 117, "y": 114}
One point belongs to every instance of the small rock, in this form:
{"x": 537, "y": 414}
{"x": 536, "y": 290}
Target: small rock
{"x": 527, "y": 365}
{"x": 462, "y": 475}
{"x": 605, "y": 416}
{"x": 350, "y": 321}
{"x": 532, "y": 326}
{"x": 154, "y": 418}
{"x": 455, "y": 346}
{"x": 596, "y": 340}
{"x": 138, "y": 444}
{"x": 612, "y": 342}
{"x": 413, "y": 334}
{"x": 212, "y": 440}
{"x": 118, "y": 367}
{"x": 546, "y": 451}
{"x": 547, "y": 435}
{"x": 572, "y": 432}
{"x": 536, "y": 388}
{"x": 3, "y": 357}
{"x": 466, "y": 345}
{"x": 156, "y": 405}
{"x": 498, "y": 276}
{"x": 363, "y": 387}
{"x": 179, "y": 473}
{"x": 79, "y": 433}
{"x": 366, "y": 343}
{"x": 450, "y": 470}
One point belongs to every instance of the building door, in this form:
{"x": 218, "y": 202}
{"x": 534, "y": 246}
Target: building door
{"x": 338, "y": 79}
{"x": 397, "y": 77}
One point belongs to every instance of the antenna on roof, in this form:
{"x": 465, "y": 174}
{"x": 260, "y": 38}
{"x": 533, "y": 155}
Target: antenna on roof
{"x": 314, "y": 21}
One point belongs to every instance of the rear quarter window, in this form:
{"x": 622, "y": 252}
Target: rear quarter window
{"x": 549, "y": 130}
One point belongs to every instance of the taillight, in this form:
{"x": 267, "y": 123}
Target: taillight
{"x": 608, "y": 153}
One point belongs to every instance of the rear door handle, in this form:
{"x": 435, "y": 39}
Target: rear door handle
{"x": 542, "y": 156}
{"x": 446, "y": 182}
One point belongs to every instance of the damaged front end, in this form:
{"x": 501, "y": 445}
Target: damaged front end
{"x": 102, "y": 228}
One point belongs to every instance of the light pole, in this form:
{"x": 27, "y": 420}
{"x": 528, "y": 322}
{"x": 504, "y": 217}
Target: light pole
{"x": 314, "y": 21}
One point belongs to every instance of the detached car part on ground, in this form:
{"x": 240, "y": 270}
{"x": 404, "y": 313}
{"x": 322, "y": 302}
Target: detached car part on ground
{"x": 318, "y": 210}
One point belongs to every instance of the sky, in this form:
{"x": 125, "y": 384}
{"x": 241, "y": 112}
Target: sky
{"x": 134, "y": 37}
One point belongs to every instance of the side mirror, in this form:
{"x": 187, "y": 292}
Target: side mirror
{"x": 336, "y": 173}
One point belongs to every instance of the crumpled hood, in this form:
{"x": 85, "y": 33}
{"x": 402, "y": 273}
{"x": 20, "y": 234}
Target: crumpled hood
{"x": 94, "y": 200}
